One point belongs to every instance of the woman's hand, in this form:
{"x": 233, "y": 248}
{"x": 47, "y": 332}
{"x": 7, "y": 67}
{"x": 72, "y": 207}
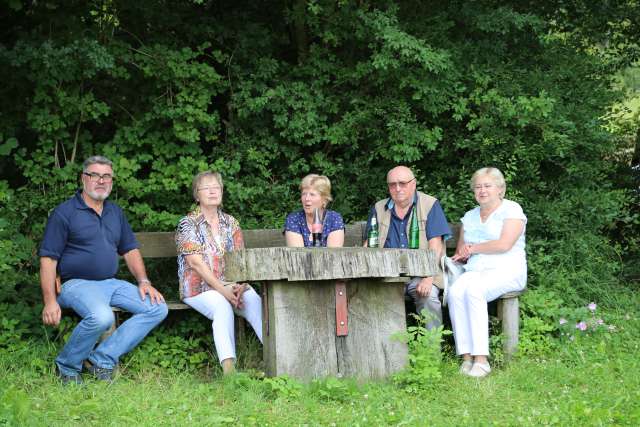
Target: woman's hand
{"x": 462, "y": 253}
{"x": 230, "y": 295}
{"x": 238, "y": 289}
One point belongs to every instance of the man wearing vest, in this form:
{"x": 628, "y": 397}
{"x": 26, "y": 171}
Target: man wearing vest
{"x": 81, "y": 244}
{"x": 394, "y": 217}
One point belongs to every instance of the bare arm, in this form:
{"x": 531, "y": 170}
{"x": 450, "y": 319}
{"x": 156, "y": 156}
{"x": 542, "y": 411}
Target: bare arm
{"x": 460, "y": 247}
{"x": 51, "y": 312}
{"x": 133, "y": 258}
{"x": 511, "y": 231}
{"x": 196, "y": 262}
{"x": 335, "y": 239}
{"x": 294, "y": 240}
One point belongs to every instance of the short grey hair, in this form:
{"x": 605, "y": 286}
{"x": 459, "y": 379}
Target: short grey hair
{"x": 494, "y": 174}
{"x": 202, "y": 175}
{"x": 100, "y": 160}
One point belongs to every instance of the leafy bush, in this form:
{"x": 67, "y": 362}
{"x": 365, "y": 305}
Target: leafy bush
{"x": 425, "y": 356}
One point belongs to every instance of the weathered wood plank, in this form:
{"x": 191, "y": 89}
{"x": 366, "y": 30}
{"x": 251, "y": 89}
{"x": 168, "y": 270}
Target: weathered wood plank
{"x": 299, "y": 330}
{"x": 376, "y": 313}
{"x": 296, "y": 264}
{"x": 508, "y": 312}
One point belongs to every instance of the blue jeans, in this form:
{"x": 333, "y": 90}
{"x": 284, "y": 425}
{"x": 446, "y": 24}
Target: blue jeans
{"x": 92, "y": 300}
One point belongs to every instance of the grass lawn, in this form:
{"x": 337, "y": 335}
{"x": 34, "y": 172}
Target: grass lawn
{"x": 590, "y": 380}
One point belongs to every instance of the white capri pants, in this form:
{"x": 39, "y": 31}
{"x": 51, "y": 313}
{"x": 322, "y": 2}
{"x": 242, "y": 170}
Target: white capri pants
{"x": 468, "y": 298}
{"x": 215, "y": 307}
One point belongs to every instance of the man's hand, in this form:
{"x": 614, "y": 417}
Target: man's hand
{"x": 424, "y": 287}
{"x": 51, "y": 314}
{"x": 146, "y": 288}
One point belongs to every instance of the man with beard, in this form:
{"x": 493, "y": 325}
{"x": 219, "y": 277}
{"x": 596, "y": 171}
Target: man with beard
{"x": 81, "y": 244}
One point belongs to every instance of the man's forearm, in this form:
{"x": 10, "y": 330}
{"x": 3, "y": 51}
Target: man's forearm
{"x": 135, "y": 264}
{"x": 48, "y": 279}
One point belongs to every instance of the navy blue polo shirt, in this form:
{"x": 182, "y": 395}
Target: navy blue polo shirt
{"x": 85, "y": 244}
{"x": 437, "y": 225}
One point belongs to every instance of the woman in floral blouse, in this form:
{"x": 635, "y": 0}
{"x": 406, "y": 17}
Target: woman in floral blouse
{"x": 202, "y": 238}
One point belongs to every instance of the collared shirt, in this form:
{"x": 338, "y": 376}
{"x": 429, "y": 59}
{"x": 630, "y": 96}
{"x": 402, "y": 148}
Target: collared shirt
{"x": 194, "y": 236}
{"x": 437, "y": 225}
{"x": 85, "y": 244}
{"x": 297, "y": 223}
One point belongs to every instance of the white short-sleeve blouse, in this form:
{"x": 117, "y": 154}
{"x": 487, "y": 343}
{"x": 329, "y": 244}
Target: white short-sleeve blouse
{"x": 476, "y": 231}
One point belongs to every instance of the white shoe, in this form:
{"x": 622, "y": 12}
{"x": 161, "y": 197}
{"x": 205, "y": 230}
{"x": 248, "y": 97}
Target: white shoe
{"x": 479, "y": 370}
{"x": 466, "y": 367}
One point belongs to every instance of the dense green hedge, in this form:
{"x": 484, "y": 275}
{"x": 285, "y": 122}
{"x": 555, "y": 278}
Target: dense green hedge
{"x": 266, "y": 92}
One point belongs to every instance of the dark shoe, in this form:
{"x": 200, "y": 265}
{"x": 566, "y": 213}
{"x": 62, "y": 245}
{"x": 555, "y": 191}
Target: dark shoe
{"x": 74, "y": 379}
{"x": 101, "y": 374}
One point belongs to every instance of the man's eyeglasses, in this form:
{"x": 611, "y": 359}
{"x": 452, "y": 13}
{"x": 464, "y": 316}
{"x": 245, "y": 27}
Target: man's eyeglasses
{"x": 95, "y": 177}
{"x": 399, "y": 184}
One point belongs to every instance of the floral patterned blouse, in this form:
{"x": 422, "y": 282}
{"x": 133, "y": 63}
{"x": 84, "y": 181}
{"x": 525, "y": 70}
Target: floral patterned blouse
{"x": 194, "y": 236}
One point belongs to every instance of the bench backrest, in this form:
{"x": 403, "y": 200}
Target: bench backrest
{"x": 162, "y": 244}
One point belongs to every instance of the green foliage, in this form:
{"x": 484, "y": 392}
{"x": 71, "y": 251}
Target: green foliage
{"x": 423, "y": 370}
{"x": 333, "y": 389}
{"x": 15, "y": 407}
{"x": 284, "y": 387}
{"x": 347, "y": 89}
{"x": 181, "y": 347}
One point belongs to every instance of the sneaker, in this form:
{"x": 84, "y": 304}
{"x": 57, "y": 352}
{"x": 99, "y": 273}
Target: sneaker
{"x": 479, "y": 370}
{"x": 74, "y": 379}
{"x": 466, "y": 367}
{"x": 101, "y": 374}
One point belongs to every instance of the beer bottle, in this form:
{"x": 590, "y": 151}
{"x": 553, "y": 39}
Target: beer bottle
{"x": 414, "y": 230}
{"x": 316, "y": 228}
{"x": 372, "y": 238}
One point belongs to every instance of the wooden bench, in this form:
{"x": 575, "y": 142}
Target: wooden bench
{"x": 162, "y": 245}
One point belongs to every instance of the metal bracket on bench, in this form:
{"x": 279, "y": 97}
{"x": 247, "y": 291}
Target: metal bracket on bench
{"x": 341, "y": 309}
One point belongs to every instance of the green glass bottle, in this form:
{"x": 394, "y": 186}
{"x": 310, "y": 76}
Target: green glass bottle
{"x": 414, "y": 230}
{"x": 372, "y": 238}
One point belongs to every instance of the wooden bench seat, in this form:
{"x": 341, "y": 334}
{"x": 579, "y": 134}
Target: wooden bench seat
{"x": 162, "y": 245}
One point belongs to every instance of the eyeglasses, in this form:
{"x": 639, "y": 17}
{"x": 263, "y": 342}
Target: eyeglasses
{"x": 486, "y": 186}
{"x": 95, "y": 177}
{"x": 399, "y": 184}
{"x": 214, "y": 188}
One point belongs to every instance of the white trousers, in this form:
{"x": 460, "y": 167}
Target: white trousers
{"x": 215, "y": 307}
{"x": 468, "y": 299}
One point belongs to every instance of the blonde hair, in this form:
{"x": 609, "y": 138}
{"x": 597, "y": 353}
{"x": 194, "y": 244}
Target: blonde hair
{"x": 202, "y": 175}
{"x": 494, "y": 174}
{"x": 320, "y": 183}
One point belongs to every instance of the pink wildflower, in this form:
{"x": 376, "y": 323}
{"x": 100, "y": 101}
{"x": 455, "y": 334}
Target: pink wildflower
{"x": 600, "y": 322}
{"x": 582, "y": 326}
{"x": 592, "y": 306}
{"x": 562, "y": 321}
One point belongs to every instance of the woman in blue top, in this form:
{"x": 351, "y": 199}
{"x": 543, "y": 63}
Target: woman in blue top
{"x": 492, "y": 245}
{"x": 315, "y": 193}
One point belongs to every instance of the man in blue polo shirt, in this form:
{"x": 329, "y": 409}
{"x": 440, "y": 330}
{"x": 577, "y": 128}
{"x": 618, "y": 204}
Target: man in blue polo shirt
{"x": 81, "y": 244}
{"x": 393, "y": 216}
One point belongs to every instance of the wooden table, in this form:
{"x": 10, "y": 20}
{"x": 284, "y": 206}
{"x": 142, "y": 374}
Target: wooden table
{"x": 331, "y": 312}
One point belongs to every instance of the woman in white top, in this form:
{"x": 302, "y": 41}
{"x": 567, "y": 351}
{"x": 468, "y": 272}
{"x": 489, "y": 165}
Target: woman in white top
{"x": 492, "y": 245}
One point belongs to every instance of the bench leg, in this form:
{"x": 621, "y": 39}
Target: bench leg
{"x": 508, "y": 311}
{"x": 241, "y": 329}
